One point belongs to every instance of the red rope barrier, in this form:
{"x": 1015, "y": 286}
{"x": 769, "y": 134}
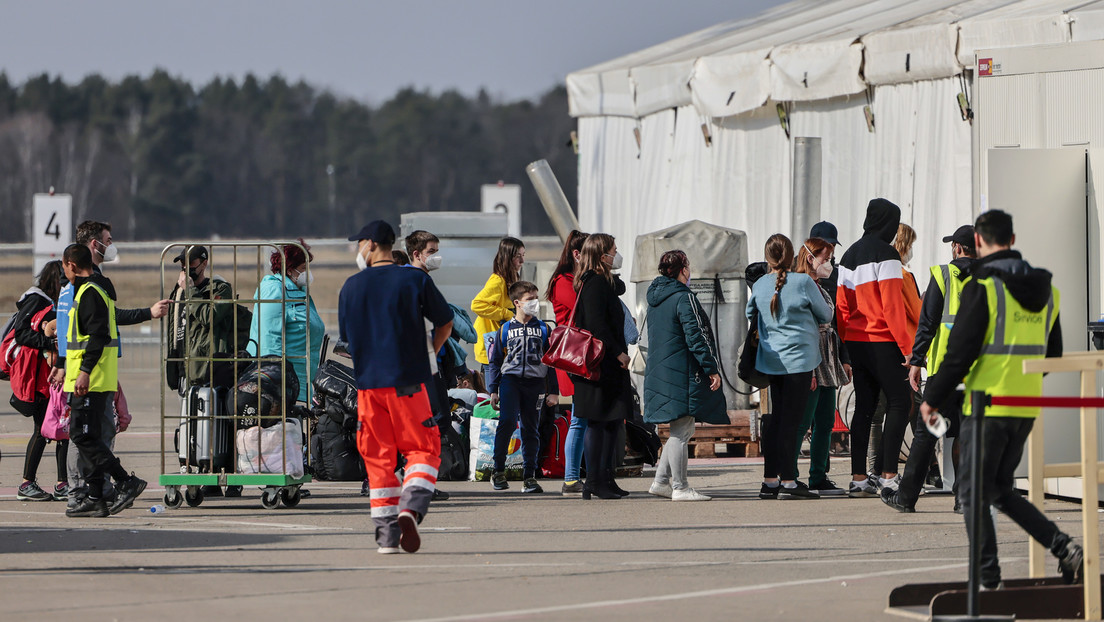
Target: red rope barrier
{"x": 1049, "y": 402}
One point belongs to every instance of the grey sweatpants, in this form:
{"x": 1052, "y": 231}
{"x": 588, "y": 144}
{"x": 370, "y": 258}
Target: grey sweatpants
{"x": 672, "y": 462}
{"x": 77, "y": 466}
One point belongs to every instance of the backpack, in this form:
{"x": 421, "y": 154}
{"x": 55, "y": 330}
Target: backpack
{"x": 245, "y": 320}
{"x": 499, "y": 339}
{"x": 9, "y": 350}
{"x": 6, "y": 339}
{"x": 334, "y": 453}
{"x": 8, "y": 347}
{"x": 454, "y": 458}
{"x": 29, "y": 370}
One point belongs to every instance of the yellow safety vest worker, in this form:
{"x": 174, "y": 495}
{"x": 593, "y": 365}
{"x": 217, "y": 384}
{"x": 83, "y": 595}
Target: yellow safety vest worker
{"x": 947, "y": 277}
{"x": 105, "y": 375}
{"x": 1013, "y": 336}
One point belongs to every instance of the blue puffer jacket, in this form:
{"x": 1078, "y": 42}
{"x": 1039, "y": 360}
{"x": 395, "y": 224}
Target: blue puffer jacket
{"x": 269, "y": 328}
{"x": 681, "y": 357}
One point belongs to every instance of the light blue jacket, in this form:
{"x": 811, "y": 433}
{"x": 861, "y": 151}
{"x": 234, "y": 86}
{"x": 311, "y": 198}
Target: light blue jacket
{"x": 269, "y": 328}
{"x": 790, "y": 343}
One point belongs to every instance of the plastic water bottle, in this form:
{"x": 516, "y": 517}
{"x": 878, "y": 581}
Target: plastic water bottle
{"x": 157, "y": 509}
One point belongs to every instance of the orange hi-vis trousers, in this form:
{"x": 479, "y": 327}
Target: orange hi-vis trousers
{"x": 390, "y": 425}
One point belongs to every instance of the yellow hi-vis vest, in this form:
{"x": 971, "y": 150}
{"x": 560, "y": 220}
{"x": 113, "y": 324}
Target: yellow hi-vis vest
{"x": 946, "y": 276}
{"x": 105, "y": 375}
{"x": 1013, "y": 336}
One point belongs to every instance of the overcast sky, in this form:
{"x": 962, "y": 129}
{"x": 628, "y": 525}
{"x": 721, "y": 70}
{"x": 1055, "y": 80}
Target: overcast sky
{"x": 366, "y": 49}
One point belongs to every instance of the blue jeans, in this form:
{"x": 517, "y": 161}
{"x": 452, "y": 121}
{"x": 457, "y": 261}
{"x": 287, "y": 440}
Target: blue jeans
{"x": 573, "y": 448}
{"x": 520, "y": 398}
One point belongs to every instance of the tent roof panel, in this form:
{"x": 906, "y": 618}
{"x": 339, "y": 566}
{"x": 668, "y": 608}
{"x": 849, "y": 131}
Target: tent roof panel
{"x": 898, "y": 42}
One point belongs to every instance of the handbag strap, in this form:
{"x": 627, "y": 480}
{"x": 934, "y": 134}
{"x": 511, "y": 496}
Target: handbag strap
{"x": 575, "y": 307}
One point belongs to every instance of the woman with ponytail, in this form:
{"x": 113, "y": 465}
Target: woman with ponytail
{"x": 789, "y": 309}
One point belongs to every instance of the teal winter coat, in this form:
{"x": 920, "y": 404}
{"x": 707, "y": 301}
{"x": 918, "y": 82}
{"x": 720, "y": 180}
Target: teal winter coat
{"x": 270, "y": 327}
{"x": 682, "y": 354}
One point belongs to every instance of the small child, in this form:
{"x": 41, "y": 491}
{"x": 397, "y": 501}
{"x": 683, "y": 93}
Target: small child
{"x": 517, "y": 374}
{"x": 469, "y": 388}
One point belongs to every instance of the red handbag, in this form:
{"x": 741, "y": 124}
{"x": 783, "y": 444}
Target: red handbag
{"x": 575, "y": 350}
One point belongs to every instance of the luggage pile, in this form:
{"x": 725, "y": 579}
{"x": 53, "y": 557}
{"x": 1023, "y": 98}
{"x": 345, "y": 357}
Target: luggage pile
{"x": 334, "y": 454}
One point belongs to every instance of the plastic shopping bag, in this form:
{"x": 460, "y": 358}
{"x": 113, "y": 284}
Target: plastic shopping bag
{"x": 484, "y": 426}
{"x": 262, "y": 450}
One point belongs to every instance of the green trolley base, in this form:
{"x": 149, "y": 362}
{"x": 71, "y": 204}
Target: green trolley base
{"x": 277, "y": 488}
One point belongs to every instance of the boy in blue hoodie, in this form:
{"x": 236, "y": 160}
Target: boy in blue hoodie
{"x": 520, "y": 384}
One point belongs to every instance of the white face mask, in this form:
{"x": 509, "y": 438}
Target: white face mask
{"x": 361, "y": 262}
{"x": 304, "y": 279}
{"x": 907, "y": 258}
{"x": 109, "y": 253}
{"x": 530, "y": 307}
{"x": 433, "y": 263}
{"x": 618, "y": 260}
{"x": 824, "y": 270}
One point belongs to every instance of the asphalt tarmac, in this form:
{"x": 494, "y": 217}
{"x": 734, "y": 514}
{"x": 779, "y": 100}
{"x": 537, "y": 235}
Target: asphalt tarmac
{"x": 485, "y": 555}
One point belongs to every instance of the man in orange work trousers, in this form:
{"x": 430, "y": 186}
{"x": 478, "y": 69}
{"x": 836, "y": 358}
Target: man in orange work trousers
{"x": 382, "y": 313}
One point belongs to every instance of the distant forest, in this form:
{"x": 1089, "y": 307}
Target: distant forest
{"x": 159, "y": 158}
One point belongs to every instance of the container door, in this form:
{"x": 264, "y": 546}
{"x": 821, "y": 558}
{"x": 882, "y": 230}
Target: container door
{"x": 1045, "y": 191}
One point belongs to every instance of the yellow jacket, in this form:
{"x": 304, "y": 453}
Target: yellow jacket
{"x": 492, "y": 307}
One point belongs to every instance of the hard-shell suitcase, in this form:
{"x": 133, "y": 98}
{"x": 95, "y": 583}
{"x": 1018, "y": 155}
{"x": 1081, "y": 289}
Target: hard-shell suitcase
{"x": 553, "y": 459}
{"x": 205, "y": 436}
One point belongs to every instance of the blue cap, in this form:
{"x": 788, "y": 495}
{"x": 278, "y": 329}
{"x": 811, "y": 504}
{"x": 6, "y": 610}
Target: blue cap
{"x": 825, "y": 231}
{"x": 377, "y": 231}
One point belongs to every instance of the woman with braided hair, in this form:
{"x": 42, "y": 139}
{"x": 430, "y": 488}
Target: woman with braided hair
{"x": 788, "y": 308}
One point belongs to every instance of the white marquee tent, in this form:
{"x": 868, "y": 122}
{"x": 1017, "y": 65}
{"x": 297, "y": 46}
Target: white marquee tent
{"x": 645, "y": 163}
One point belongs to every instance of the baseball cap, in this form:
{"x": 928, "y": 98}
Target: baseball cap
{"x": 194, "y": 253}
{"x": 825, "y": 231}
{"x": 964, "y": 235}
{"x": 377, "y": 231}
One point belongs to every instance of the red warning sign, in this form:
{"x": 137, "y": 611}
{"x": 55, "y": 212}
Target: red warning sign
{"x": 985, "y": 66}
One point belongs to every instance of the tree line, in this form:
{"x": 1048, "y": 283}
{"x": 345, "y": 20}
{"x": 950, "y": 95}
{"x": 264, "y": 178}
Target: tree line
{"x": 160, "y": 158}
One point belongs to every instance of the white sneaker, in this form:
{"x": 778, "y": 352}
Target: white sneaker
{"x": 388, "y": 550}
{"x": 660, "y": 490}
{"x": 862, "y": 489}
{"x": 890, "y": 484}
{"x": 689, "y": 494}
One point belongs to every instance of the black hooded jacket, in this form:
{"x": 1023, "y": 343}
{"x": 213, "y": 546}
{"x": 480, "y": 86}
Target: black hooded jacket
{"x": 1029, "y": 286}
{"x": 870, "y": 303}
{"x": 931, "y": 313}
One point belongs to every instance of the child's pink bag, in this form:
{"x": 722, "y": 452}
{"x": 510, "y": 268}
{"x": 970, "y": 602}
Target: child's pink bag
{"x": 56, "y": 424}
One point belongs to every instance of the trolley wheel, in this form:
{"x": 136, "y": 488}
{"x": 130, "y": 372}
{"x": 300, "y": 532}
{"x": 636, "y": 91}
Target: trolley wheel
{"x": 290, "y": 496}
{"x": 173, "y": 498}
{"x": 193, "y": 495}
{"x": 270, "y": 498}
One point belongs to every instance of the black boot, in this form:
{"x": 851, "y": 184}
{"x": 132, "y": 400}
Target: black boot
{"x": 597, "y": 481}
{"x": 598, "y": 489}
{"x": 611, "y": 484}
{"x": 609, "y": 458}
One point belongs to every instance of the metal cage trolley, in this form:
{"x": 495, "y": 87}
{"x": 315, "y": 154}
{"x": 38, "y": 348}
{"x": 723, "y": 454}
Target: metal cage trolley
{"x": 229, "y": 430}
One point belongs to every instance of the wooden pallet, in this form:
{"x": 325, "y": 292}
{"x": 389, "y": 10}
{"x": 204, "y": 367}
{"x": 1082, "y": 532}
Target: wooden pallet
{"x": 735, "y": 436}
